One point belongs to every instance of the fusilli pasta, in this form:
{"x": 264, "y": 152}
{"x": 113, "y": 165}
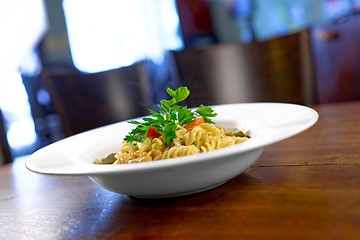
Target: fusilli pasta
{"x": 202, "y": 138}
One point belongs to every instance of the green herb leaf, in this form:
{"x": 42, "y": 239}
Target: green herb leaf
{"x": 206, "y": 113}
{"x": 169, "y": 116}
{"x": 185, "y": 115}
{"x": 170, "y": 129}
{"x": 179, "y": 94}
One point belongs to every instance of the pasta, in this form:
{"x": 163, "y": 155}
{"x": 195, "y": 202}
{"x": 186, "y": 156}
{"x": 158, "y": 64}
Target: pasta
{"x": 202, "y": 138}
{"x": 174, "y": 131}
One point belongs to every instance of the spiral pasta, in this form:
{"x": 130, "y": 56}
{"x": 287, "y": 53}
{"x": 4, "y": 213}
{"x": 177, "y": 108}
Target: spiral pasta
{"x": 202, "y": 138}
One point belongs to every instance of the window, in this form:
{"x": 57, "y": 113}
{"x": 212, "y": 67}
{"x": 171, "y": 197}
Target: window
{"x": 114, "y": 33}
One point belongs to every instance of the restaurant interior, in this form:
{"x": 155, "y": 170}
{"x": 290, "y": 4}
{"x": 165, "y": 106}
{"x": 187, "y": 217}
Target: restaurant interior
{"x": 83, "y": 64}
{"x": 279, "y": 78}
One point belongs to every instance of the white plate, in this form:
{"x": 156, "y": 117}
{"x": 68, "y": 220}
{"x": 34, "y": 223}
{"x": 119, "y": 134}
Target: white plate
{"x": 267, "y": 122}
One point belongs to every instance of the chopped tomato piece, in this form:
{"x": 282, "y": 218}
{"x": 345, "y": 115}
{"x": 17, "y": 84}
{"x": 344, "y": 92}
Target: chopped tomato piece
{"x": 196, "y": 122}
{"x": 152, "y": 133}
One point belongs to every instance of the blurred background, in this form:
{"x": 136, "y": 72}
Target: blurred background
{"x": 67, "y": 66}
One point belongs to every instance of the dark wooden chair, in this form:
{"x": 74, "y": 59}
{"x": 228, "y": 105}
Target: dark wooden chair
{"x": 5, "y": 152}
{"x": 336, "y": 54}
{"x": 271, "y": 70}
{"x": 86, "y": 101}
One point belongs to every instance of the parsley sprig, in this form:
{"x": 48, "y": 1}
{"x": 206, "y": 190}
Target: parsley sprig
{"x": 170, "y": 115}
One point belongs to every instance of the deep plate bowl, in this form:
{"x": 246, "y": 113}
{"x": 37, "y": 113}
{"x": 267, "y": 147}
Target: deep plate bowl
{"x": 267, "y": 123}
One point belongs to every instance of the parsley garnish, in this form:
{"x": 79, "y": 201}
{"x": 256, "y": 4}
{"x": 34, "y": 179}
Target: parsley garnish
{"x": 169, "y": 116}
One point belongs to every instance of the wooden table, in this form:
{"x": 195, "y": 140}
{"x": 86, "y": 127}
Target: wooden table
{"x": 306, "y": 187}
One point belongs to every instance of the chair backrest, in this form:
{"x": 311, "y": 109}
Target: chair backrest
{"x": 86, "y": 101}
{"x": 235, "y": 72}
{"x": 5, "y": 152}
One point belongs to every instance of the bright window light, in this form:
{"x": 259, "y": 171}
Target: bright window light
{"x": 15, "y": 106}
{"x": 22, "y": 25}
{"x": 21, "y": 133}
{"x": 110, "y": 34}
